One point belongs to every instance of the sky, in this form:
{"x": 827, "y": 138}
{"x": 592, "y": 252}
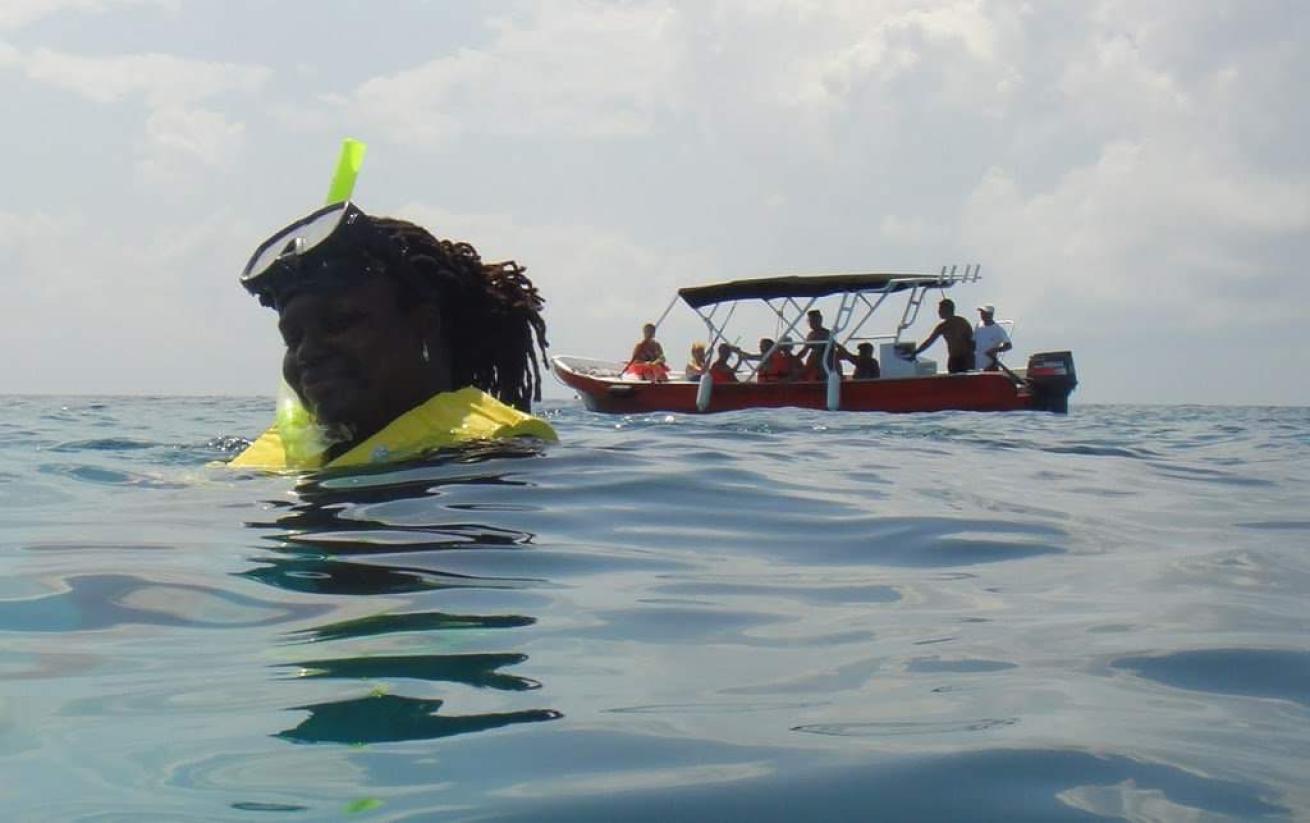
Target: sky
{"x": 1133, "y": 176}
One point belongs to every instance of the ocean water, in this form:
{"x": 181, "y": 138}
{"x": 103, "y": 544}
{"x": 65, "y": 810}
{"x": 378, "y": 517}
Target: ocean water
{"x": 781, "y": 615}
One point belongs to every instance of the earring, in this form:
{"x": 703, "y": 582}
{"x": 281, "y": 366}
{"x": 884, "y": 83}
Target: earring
{"x": 427, "y": 358}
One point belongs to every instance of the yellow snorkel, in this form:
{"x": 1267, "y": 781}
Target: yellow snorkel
{"x": 303, "y": 438}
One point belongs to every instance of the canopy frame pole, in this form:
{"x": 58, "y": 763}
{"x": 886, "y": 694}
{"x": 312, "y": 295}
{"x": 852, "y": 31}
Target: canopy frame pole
{"x": 911, "y": 311}
{"x": 717, "y": 333}
{"x": 764, "y": 355}
{"x": 667, "y": 309}
{"x": 873, "y": 309}
{"x": 799, "y": 314}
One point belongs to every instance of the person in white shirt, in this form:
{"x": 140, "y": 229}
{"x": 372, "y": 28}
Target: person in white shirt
{"x": 989, "y": 340}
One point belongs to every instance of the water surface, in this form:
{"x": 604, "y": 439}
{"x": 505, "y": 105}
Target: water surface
{"x": 770, "y": 615}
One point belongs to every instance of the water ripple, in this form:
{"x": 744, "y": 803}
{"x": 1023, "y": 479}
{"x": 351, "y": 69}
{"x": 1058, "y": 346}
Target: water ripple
{"x": 858, "y": 616}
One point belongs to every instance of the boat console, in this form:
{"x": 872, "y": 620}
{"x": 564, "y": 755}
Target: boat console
{"x": 894, "y": 358}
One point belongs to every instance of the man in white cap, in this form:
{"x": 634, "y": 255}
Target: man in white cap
{"x": 989, "y": 339}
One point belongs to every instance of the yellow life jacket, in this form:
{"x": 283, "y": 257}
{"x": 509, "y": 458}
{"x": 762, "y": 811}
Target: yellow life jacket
{"x": 444, "y": 419}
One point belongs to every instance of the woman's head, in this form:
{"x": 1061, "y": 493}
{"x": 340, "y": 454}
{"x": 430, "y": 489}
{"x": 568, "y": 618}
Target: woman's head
{"x": 648, "y": 331}
{"x": 381, "y": 315}
{"x": 698, "y": 351}
{"x": 355, "y": 354}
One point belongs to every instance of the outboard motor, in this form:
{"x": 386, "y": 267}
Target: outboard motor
{"x": 1052, "y": 379}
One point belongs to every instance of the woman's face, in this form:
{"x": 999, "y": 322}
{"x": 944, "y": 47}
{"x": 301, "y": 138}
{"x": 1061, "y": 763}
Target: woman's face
{"x": 355, "y": 356}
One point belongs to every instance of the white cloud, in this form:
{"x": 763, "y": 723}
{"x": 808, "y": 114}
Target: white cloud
{"x": 911, "y": 231}
{"x": 96, "y": 307}
{"x": 26, "y": 241}
{"x": 599, "y": 285}
{"x": 831, "y": 56}
{"x": 15, "y": 14}
{"x": 1146, "y": 223}
{"x": 182, "y": 141}
{"x": 578, "y": 69}
{"x": 1118, "y": 167}
{"x": 161, "y": 79}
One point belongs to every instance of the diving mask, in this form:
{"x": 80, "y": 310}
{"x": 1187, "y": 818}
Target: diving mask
{"x": 323, "y": 249}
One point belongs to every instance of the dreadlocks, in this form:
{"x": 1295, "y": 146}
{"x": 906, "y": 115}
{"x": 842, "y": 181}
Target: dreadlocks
{"x": 490, "y": 312}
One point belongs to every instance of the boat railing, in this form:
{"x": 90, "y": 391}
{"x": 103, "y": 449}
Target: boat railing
{"x": 590, "y": 366}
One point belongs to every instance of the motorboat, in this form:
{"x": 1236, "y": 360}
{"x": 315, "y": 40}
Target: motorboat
{"x": 906, "y": 383}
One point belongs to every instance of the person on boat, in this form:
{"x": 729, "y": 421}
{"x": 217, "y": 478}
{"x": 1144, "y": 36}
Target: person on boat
{"x": 697, "y": 365}
{"x": 778, "y": 366}
{"x": 958, "y": 335}
{"x": 989, "y": 339}
{"x": 816, "y": 342}
{"x": 866, "y": 365}
{"x": 647, "y": 361}
{"x": 721, "y": 371}
{"x": 768, "y": 370}
{"x": 397, "y": 343}
{"x": 792, "y": 367}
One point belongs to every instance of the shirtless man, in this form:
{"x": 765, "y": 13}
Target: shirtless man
{"x": 815, "y": 342}
{"x": 958, "y": 335}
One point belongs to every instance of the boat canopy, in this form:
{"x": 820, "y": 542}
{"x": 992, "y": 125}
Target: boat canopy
{"x": 820, "y": 285}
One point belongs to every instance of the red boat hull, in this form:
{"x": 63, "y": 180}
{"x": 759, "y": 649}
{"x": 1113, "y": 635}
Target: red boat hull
{"x": 974, "y": 391}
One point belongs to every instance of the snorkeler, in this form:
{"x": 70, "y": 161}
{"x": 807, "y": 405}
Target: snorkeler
{"x": 396, "y": 342}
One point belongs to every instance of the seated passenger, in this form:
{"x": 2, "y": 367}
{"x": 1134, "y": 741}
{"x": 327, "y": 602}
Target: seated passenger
{"x": 696, "y": 366}
{"x": 791, "y": 366}
{"x": 775, "y": 366}
{"x": 396, "y": 343}
{"x": 647, "y": 361}
{"x": 866, "y": 365}
{"x": 721, "y": 371}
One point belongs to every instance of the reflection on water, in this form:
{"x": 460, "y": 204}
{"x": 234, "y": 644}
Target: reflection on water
{"x": 477, "y": 670}
{"x": 1274, "y": 673}
{"x": 321, "y": 576}
{"x": 378, "y": 515}
{"x": 381, "y": 624}
{"x": 387, "y": 718}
